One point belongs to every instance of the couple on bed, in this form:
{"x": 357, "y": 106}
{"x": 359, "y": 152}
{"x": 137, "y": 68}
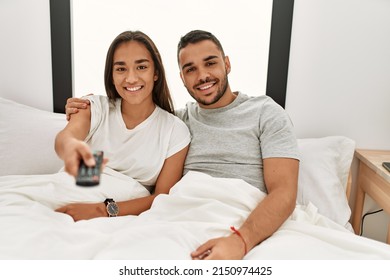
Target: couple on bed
{"x": 232, "y": 135}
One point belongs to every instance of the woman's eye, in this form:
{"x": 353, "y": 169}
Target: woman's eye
{"x": 142, "y": 67}
{"x": 120, "y": 69}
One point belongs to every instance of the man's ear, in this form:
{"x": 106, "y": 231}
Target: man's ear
{"x": 181, "y": 77}
{"x": 227, "y": 65}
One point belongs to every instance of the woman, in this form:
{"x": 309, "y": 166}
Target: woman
{"x": 134, "y": 125}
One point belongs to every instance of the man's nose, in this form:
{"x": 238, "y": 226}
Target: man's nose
{"x": 203, "y": 75}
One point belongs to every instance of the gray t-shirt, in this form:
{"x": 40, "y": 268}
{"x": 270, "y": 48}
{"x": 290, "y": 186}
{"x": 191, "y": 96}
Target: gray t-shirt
{"x": 230, "y": 142}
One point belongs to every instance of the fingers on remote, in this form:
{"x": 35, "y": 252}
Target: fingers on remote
{"x": 90, "y": 176}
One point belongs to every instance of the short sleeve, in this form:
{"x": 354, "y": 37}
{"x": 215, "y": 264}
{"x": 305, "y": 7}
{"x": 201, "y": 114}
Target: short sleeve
{"x": 180, "y": 137}
{"x": 277, "y": 134}
{"x": 99, "y": 106}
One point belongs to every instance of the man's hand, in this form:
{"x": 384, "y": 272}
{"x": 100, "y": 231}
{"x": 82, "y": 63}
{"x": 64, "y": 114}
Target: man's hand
{"x": 281, "y": 179}
{"x": 74, "y": 104}
{"x": 223, "y": 248}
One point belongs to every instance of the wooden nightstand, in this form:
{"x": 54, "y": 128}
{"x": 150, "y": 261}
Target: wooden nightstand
{"x": 372, "y": 179}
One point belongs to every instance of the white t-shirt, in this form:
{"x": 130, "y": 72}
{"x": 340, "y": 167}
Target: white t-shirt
{"x": 140, "y": 152}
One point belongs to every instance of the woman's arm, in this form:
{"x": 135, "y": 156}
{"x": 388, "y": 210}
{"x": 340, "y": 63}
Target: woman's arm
{"x": 69, "y": 144}
{"x": 170, "y": 174}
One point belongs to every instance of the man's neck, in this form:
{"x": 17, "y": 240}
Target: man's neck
{"x": 224, "y": 101}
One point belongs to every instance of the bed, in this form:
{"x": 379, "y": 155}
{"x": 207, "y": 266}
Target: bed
{"x": 198, "y": 208}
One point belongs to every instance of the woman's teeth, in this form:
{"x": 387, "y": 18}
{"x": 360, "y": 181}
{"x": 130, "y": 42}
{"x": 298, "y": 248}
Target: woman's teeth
{"x": 133, "y": 88}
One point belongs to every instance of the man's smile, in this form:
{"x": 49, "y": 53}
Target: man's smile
{"x": 206, "y": 86}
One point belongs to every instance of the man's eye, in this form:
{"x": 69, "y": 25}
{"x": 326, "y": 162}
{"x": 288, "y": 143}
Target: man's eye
{"x": 190, "y": 69}
{"x": 210, "y": 63}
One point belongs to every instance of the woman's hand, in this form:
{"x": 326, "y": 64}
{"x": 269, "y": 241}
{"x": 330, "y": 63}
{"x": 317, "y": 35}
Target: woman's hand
{"x": 74, "y": 152}
{"x": 84, "y": 211}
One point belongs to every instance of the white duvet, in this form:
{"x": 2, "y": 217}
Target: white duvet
{"x": 198, "y": 208}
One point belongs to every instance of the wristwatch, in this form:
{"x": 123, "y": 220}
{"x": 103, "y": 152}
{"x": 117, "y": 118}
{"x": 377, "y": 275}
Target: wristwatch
{"x": 111, "y": 207}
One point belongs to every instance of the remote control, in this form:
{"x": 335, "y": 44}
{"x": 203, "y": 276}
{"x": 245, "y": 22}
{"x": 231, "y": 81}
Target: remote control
{"x": 386, "y": 165}
{"x": 90, "y": 176}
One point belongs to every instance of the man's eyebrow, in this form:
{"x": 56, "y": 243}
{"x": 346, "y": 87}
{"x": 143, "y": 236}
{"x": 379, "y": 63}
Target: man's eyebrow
{"x": 187, "y": 65}
{"x": 205, "y": 59}
{"x": 210, "y": 57}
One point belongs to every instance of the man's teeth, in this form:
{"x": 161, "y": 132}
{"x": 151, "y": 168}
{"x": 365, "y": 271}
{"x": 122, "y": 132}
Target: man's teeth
{"x": 133, "y": 88}
{"x": 206, "y": 87}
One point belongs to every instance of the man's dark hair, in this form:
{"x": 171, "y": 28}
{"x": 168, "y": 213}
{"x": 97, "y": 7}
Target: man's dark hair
{"x": 196, "y": 36}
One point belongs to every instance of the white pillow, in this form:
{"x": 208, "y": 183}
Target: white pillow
{"x": 27, "y": 139}
{"x": 324, "y": 168}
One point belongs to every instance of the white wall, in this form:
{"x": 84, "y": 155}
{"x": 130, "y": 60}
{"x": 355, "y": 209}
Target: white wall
{"x": 94, "y": 29}
{"x": 339, "y": 75}
{"x": 25, "y": 52}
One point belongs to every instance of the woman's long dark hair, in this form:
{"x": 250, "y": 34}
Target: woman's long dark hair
{"x": 161, "y": 94}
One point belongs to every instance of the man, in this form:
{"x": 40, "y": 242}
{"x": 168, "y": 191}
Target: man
{"x": 234, "y": 135}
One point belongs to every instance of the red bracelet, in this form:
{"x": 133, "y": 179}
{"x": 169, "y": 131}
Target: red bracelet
{"x": 235, "y": 231}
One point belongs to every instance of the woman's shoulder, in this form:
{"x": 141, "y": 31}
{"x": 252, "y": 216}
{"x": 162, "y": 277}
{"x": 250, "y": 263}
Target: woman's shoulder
{"x": 98, "y": 99}
{"x": 171, "y": 118}
{"x": 102, "y": 102}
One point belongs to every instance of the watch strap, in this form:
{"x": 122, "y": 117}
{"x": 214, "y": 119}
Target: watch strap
{"x": 108, "y": 200}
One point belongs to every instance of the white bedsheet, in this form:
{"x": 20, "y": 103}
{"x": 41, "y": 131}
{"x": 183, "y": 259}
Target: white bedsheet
{"x": 198, "y": 208}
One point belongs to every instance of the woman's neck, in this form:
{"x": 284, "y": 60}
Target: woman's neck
{"x": 134, "y": 114}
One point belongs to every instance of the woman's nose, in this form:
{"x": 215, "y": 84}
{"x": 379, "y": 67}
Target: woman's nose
{"x": 131, "y": 77}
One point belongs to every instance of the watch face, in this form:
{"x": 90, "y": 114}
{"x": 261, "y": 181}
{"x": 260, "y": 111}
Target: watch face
{"x": 112, "y": 209}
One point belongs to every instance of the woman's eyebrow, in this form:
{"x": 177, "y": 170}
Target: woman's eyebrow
{"x": 142, "y": 60}
{"x": 138, "y": 61}
{"x": 119, "y": 63}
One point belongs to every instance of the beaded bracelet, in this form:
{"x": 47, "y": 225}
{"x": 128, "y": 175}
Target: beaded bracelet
{"x": 235, "y": 231}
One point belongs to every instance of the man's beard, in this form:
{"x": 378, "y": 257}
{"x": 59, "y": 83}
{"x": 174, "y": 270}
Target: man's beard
{"x": 221, "y": 91}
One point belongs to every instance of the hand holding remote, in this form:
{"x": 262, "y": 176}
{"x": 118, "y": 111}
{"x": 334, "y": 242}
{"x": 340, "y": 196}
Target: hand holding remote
{"x": 90, "y": 176}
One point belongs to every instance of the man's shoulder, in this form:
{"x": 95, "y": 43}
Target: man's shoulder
{"x": 256, "y": 99}
{"x": 260, "y": 102}
{"x": 182, "y": 113}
